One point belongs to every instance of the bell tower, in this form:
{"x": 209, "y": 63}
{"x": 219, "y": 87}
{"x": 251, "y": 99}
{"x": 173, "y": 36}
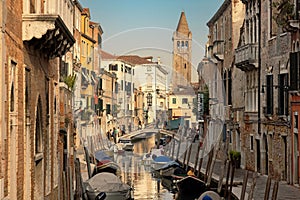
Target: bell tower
{"x": 182, "y": 52}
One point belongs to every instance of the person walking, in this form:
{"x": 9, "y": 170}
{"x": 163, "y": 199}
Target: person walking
{"x": 114, "y": 134}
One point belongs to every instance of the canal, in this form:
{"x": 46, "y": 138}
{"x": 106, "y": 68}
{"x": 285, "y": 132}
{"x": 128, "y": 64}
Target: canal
{"x": 144, "y": 182}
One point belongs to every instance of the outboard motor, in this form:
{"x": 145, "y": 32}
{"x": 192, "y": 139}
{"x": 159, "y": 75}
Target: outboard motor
{"x": 101, "y": 196}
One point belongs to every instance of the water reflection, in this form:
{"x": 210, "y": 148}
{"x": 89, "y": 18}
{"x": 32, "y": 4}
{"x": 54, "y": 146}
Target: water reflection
{"x": 146, "y": 186}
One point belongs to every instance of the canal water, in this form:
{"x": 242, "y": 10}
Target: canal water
{"x": 139, "y": 176}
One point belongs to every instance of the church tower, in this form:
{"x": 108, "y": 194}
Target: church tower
{"x": 182, "y": 52}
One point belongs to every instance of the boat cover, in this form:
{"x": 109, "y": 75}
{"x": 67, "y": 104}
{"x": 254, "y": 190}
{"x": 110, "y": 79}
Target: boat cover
{"x": 101, "y": 155}
{"x": 162, "y": 159}
{"x": 106, "y": 182}
{"x": 170, "y": 164}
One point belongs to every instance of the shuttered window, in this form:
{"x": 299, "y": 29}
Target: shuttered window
{"x": 269, "y": 95}
{"x": 294, "y": 71}
{"x": 282, "y": 94}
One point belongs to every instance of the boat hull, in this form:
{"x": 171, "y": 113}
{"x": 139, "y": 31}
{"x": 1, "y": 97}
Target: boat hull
{"x": 117, "y": 195}
{"x": 191, "y": 185}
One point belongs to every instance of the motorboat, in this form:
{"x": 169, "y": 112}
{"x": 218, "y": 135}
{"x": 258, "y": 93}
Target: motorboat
{"x": 159, "y": 162}
{"x": 149, "y": 157}
{"x": 191, "y": 185}
{"x": 126, "y": 144}
{"x": 107, "y": 166}
{"x": 110, "y": 184}
{"x": 170, "y": 168}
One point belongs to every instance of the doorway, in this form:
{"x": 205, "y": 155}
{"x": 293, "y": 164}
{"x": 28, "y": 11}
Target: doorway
{"x": 258, "y": 164}
{"x": 266, "y": 155}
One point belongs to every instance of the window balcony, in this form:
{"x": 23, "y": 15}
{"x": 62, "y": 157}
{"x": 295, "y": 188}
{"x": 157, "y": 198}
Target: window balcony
{"x": 218, "y": 49}
{"x": 246, "y": 57}
{"x": 47, "y": 26}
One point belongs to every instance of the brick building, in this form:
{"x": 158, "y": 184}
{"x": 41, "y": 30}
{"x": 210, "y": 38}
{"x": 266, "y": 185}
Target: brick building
{"x": 225, "y": 81}
{"x": 34, "y": 43}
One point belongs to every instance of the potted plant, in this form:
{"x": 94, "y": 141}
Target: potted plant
{"x": 235, "y": 157}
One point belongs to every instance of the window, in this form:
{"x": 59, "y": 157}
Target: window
{"x": 184, "y": 101}
{"x": 173, "y": 100}
{"x": 296, "y": 125}
{"x": 269, "y": 95}
{"x": 282, "y": 94}
{"x": 113, "y": 67}
{"x": 38, "y": 128}
{"x": 251, "y": 142}
{"x": 178, "y": 44}
{"x": 27, "y": 90}
{"x": 186, "y": 44}
{"x": 182, "y": 43}
{"x": 108, "y": 110}
{"x": 12, "y": 86}
{"x": 229, "y": 88}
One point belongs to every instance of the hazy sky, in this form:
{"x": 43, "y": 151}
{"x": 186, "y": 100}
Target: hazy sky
{"x": 145, "y": 27}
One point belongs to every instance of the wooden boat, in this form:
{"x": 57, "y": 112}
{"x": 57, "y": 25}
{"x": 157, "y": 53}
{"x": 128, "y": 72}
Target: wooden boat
{"x": 169, "y": 184}
{"x": 213, "y": 195}
{"x": 173, "y": 171}
{"x": 126, "y": 144}
{"x": 107, "y": 166}
{"x": 191, "y": 185}
{"x": 159, "y": 162}
{"x": 168, "y": 169}
{"x": 109, "y": 183}
{"x": 149, "y": 157}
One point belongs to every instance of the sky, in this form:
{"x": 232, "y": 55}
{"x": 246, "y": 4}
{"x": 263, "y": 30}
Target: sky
{"x": 146, "y": 27}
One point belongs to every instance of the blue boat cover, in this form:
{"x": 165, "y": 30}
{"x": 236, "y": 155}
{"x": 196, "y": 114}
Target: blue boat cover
{"x": 170, "y": 164}
{"x": 101, "y": 155}
{"x": 162, "y": 159}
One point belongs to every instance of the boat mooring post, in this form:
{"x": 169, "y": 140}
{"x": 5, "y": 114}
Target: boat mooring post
{"x": 189, "y": 155}
{"x": 87, "y": 158}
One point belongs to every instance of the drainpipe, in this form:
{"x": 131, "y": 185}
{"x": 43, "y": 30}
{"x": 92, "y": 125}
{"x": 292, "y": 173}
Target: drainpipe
{"x": 259, "y": 81}
{"x": 259, "y": 68}
{"x": 2, "y": 81}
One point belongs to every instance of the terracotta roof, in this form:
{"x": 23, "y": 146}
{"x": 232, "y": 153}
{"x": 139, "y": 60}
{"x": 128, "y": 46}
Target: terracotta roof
{"x": 135, "y": 60}
{"x": 86, "y": 11}
{"x": 107, "y": 56}
{"x": 183, "y": 26}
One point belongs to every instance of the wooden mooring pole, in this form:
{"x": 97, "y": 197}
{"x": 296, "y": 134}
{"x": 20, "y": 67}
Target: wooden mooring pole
{"x": 244, "y": 185}
{"x": 189, "y": 155}
{"x": 268, "y": 187}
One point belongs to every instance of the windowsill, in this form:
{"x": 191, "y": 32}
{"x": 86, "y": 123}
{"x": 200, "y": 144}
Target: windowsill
{"x": 38, "y": 157}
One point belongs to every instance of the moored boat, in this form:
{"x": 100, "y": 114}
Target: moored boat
{"x": 149, "y": 157}
{"x": 159, "y": 162}
{"x": 168, "y": 169}
{"x": 109, "y": 183}
{"x": 191, "y": 185}
{"x": 107, "y": 166}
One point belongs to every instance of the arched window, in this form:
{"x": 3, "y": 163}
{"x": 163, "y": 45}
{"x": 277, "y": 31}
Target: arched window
{"x": 186, "y": 44}
{"x": 12, "y": 98}
{"x": 12, "y": 85}
{"x": 38, "y": 128}
{"x": 182, "y": 43}
{"x": 178, "y": 44}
